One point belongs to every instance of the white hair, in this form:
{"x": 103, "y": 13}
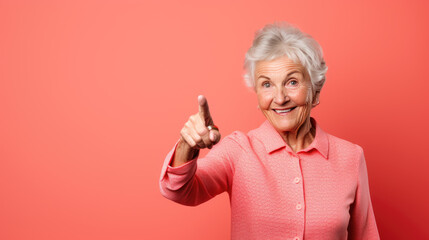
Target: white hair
{"x": 282, "y": 39}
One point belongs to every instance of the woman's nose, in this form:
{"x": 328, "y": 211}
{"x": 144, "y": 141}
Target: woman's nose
{"x": 281, "y": 97}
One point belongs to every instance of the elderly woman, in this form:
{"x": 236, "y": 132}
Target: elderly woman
{"x": 287, "y": 179}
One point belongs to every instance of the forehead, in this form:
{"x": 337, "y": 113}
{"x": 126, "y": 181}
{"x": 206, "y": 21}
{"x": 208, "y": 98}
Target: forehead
{"x": 281, "y": 65}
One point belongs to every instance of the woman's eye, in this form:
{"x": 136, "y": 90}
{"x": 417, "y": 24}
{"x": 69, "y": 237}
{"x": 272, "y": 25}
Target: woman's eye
{"x": 266, "y": 84}
{"x": 293, "y": 82}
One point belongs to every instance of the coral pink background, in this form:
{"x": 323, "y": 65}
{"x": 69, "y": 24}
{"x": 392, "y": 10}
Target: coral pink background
{"x": 93, "y": 95}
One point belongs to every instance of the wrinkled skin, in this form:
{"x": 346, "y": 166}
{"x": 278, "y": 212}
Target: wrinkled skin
{"x": 281, "y": 84}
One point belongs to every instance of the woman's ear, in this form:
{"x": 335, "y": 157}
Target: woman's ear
{"x": 316, "y": 99}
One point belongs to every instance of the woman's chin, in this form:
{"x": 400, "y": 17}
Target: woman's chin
{"x": 283, "y": 127}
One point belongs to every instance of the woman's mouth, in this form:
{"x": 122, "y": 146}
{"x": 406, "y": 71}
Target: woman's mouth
{"x": 283, "y": 111}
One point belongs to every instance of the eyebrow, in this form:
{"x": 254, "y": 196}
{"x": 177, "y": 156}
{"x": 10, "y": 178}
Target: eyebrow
{"x": 295, "y": 71}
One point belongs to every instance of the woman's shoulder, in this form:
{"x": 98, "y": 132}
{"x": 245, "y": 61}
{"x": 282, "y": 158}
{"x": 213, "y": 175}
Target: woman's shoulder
{"x": 335, "y": 144}
{"x": 337, "y": 141}
{"x": 241, "y": 139}
{"x": 237, "y": 137}
{"x": 344, "y": 148}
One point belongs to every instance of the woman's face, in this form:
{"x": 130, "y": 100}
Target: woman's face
{"x": 282, "y": 87}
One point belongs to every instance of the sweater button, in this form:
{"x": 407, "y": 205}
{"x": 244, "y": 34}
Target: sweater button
{"x": 296, "y": 238}
{"x": 298, "y": 206}
{"x": 296, "y": 180}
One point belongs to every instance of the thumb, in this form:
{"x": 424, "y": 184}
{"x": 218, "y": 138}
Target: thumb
{"x": 214, "y": 136}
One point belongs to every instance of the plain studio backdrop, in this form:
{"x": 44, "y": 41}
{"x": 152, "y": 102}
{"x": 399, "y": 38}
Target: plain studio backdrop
{"x": 93, "y": 95}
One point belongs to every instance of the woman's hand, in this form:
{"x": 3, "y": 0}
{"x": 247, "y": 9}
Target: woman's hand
{"x": 195, "y": 135}
{"x": 195, "y": 132}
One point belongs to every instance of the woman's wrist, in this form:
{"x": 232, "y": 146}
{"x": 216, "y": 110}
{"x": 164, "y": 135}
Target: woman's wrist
{"x": 184, "y": 153}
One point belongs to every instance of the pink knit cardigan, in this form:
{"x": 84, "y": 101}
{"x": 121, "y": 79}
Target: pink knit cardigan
{"x": 321, "y": 192}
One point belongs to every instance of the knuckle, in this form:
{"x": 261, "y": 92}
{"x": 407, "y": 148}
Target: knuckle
{"x": 198, "y": 139}
{"x": 189, "y": 125}
{"x": 183, "y": 130}
{"x": 202, "y": 131}
{"x": 184, "y": 133}
{"x": 193, "y": 118}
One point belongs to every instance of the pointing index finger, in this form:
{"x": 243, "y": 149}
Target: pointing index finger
{"x": 204, "y": 109}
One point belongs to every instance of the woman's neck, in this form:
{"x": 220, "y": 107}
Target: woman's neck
{"x": 302, "y": 137}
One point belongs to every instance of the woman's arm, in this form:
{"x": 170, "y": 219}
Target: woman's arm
{"x": 180, "y": 180}
{"x": 183, "y": 153}
{"x": 195, "y": 135}
{"x": 362, "y": 223}
{"x": 190, "y": 185}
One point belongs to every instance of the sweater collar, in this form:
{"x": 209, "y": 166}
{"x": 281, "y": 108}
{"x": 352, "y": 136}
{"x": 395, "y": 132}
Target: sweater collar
{"x": 273, "y": 141}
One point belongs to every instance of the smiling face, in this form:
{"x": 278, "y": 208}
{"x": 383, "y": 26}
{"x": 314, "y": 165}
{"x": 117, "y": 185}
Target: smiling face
{"x": 283, "y": 88}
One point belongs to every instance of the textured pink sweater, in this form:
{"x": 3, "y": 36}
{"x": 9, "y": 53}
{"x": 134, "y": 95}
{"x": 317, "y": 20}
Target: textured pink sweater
{"x": 320, "y": 192}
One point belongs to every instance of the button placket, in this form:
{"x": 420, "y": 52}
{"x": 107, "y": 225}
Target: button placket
{"x": 300, "y": 203}
{"x": 296, "y": 180}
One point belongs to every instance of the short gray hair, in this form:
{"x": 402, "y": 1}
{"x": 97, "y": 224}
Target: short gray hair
{"x": 282, "y": 39}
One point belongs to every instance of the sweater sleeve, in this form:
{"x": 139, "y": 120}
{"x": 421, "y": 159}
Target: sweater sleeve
{"x": 362, "y": 223}
{"x": 200, "y": 179}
